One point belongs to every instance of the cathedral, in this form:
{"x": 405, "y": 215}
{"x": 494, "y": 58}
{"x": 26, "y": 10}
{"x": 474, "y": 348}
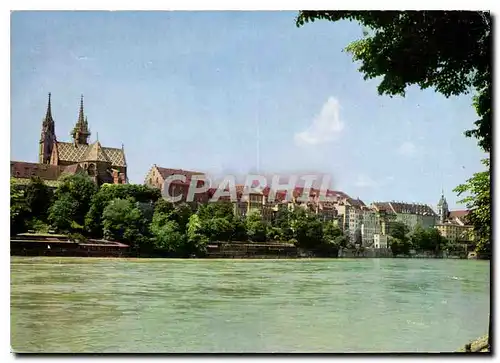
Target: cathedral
{"x": 102, "y": 164}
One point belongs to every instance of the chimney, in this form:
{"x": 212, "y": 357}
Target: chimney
{"x": 115, "y": 177}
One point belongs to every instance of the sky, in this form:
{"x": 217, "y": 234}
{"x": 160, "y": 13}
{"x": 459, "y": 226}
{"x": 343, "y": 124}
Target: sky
{"x": 235, "y": 92}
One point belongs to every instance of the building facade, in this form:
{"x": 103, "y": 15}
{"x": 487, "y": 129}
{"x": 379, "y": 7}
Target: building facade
{"x": 102, "y": 164}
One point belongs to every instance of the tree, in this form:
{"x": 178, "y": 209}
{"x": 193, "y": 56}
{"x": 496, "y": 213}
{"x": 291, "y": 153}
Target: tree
{"x": 239, "y": 232}
{"x": 63, "y": 212}
{"x": 141, "y": 194}
{"x": 78, "y": 190}
{"x": 282, "y": 221}
{"x": 420, "y": 239}
{"x": 216, "y": 210}
{"x": 436, "y": 242}
{"x": 449, "y": 51}
{"x": 38, "y": 198}
{"x": 19, "y": 209}
{"x": 217, "y": 229}
{"x": 478, "y": 202}
{"x": 331, "y": 232}
{"x": 181, "y": 214}
{"x": 196, "y": 239}
{"x": 446, "y": 50}
{"x": 168, "y": 237}
{"x": 399, "y": 240}
{"x": 307, "y": 229}
{"x": 255, "y": 226}
{"x": 122, "y": 221}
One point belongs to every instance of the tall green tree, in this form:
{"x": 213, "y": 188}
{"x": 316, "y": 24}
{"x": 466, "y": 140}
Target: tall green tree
{"x": 77, "y": 189}
{"x": 19, "y": 209}
{"x": 477, "y": 200}
{"x": 122, "y": 221}
{"x": 399, "y": 240}
{"x": 38, "y": 198}
{"x": 307, "y": 229}
{"x": 256, "y": 228}
{"x": 63, "y": 212}
{"x": 450, "y": 51}
{"x": 107, "y": 192}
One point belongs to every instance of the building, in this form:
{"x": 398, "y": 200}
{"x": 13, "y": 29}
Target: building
{"x": 370, "y": 226}
{"x": 410, "y": 214}
{"x": 380, "y": 241}
{"x": 102, "y": 164}
{"x": 455, "y": 232}
{"x": 157, "y": 175}
{"x": 453, "y": 225}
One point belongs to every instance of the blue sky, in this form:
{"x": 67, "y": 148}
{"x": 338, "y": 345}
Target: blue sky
{"x": 235, "y": 92}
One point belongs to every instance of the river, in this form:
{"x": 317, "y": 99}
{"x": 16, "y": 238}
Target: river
{"x": 307, "y": 305}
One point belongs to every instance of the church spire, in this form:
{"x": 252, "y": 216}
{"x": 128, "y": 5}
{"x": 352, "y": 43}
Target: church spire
{"x": 48, "y": 136}
{"x": 81, "y": 119}
{"x": 48, "y": 115}
{"x": 81, "y": 131}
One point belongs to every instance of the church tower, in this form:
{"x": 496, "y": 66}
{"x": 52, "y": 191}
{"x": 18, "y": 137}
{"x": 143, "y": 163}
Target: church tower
{"x": 47, "y": 137}
{"x": 442, "y": 208}
{"x": 81, "y": 132}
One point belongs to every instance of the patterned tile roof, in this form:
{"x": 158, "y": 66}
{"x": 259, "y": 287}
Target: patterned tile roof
{"x": 95, "y": 152}
{"x": 68, "y": 151}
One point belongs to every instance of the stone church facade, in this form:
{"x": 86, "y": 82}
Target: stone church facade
{"x": 102, "y": 164}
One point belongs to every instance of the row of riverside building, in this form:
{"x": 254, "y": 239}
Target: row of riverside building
{"x": 366, "y": 225}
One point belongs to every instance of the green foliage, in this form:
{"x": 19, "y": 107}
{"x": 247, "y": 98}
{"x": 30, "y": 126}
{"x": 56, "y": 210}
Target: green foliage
{"x": 239, "y": 230}
{"x": 122, "y": 220}
{"x": 217, "y": 229}
{"x": 196, "y": 240}
{"x": 282, "y": 222}
{"x": 167, "y": 236}
{"x": 19, "y": 209}
{"x": 108, "y": 192}
{"x": 450, "y": 51}
{"x": 428, "y": 240}
{"x": 181, "y": 214}
{"x": 307, "y": 229}
{"x": 38, "y": 225}
{"x": 256, "y": 228}
{"x": 216, "y": 210}
{"x": 79, "y": 189}
{"x": 478, "y": 202}
{"x": 274, "y": 234}
{"x": 333, "y": 235}
{"x": 63, "y": 212}
{"x": 38, "y": 198}
{"x": 399, "y": 240}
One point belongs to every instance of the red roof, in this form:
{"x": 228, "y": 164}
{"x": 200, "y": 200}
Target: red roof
{"x": 458, "y": 214}
{"x": 166, "y": 172}
{"x": 21, "y": 169}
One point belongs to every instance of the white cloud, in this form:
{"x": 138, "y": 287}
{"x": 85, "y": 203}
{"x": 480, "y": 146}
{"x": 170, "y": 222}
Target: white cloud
{"x": 365, "y": 181}
{"x": 407, "y": 148}
{"x": 325, "y": 127}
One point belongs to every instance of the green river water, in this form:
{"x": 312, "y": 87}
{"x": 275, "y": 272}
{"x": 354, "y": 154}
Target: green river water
{"x": 307, "y": 305}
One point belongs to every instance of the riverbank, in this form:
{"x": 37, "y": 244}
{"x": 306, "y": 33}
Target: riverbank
{"x": 479, "y": 345}
{"x": 30, "y": 244}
